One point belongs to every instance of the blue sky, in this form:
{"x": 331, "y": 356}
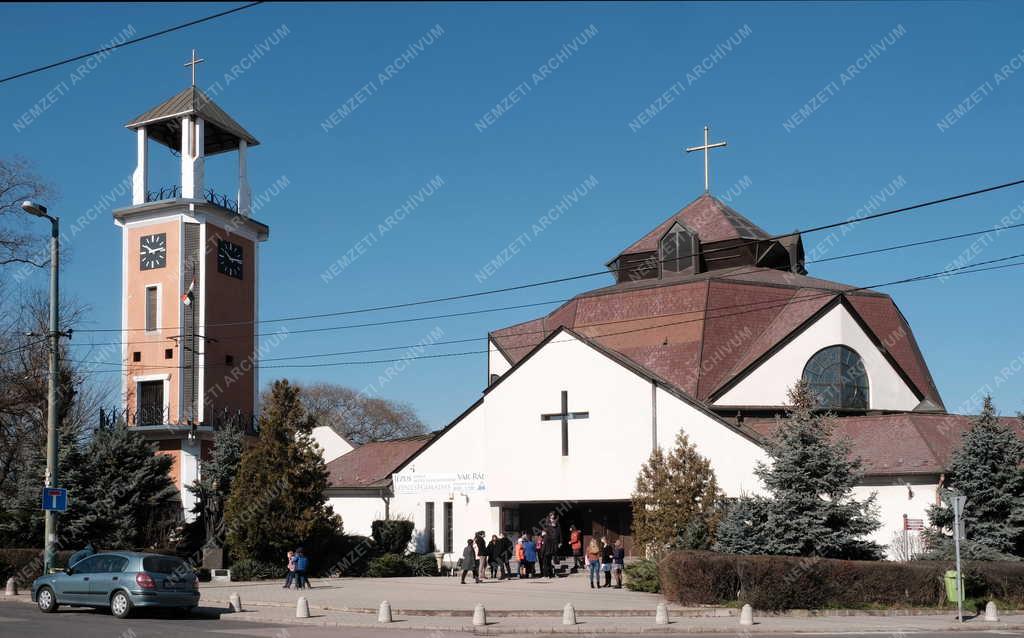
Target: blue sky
{"x": 877, "y": 127}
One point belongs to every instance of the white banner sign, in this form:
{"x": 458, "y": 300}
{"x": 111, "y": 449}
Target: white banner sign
{"x": 439, "y": 483}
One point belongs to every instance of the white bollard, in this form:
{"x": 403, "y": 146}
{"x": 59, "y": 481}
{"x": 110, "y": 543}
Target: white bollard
{"x": 569, "y": 614}
{"x": 302, "y": 607}
{"x": 12, "y": 587}
{"x": 991, "y": 613}
{"x": 235, "y": 603}
{"x": 479, "y": 615}
{"x": 747, "y": 615}
{"x": 661, "y": 616}
{"x": 384, "y": 614}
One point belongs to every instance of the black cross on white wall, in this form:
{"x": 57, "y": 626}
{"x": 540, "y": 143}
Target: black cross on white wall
{"x": 564, "y": 416}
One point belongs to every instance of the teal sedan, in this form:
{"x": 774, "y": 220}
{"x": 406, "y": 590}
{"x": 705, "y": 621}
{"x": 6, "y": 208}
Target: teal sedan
{"x": 121, "y": 581}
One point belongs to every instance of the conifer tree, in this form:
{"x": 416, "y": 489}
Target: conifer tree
{"x": 987, "y": 469}
{"x": 212, "y": 489}
{"x": 278, "y": 499}
{"x": 809, "y": 509}
{"x": 676, "y": 499}
{"x": 120, "y": 492}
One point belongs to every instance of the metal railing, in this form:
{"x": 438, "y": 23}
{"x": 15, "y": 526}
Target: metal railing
{"x": 158, "y": 415}
{"x": 210, "y": 195}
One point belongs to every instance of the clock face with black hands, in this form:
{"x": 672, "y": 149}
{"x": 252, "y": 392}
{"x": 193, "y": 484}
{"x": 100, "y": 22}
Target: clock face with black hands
{"x": 153, "y": 251}
{"x": 229, "y": 258}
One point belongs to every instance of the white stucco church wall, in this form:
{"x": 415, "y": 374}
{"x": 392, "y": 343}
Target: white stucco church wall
{"x": 770, "y": 382}
{"x": 331, "y": 443}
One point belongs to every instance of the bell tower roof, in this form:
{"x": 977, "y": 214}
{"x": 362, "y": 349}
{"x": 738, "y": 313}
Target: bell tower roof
{"x": 163, "y": 123}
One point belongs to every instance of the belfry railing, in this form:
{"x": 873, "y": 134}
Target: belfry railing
{"x": 210, "y": 195}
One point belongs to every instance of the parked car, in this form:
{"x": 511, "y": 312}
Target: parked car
{"x": 121, "y": 581}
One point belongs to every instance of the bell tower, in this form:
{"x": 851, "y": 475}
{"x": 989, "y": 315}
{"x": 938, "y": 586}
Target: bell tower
{"x": 190, "y": 258}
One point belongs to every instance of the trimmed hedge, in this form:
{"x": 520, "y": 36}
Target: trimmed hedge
{"x": 774, "y": 583}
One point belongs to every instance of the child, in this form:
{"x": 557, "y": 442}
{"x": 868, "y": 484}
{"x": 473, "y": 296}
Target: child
{"x": 529, "y": 554}
{"x": 520, "y": 557}
{"x": 291, "y": 570}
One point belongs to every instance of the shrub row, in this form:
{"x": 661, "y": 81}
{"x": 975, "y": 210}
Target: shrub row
{"x": 26, "y": 564}
{"x": 786, "y": 582}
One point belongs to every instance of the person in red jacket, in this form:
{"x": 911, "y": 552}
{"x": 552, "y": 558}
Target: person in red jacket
{"x": 576, "y": 543}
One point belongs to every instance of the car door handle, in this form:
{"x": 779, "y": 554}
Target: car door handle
{"x": 115, "y": 577}
{"x": 85, "y": 578}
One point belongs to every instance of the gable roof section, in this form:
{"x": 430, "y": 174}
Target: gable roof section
{"x": 891, "y": 328}
{"x": 926, "y": 441}
{"x": 372, "y": 464}
{"x": 710, "y": 218}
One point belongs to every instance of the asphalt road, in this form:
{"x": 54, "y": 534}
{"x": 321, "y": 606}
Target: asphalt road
{"x": 25, "y": 621}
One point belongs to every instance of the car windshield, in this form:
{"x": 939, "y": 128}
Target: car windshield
{"x": 163, "y": 565}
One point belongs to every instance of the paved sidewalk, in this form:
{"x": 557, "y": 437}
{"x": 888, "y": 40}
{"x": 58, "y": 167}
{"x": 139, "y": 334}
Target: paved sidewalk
{"x": 281, "y": 613}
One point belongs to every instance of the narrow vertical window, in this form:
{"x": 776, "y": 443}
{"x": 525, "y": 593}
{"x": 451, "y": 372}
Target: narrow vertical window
{"x": 448, "y": 527}
{"x": 151, "y": 313}
{"x": 676, "y": 250}
{"x": 430, "y": 527}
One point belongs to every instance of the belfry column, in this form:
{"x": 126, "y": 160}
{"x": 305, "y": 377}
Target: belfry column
{"x": 192, "y": 157}
{"x": 140, "y": 178}
{"x": 244, "y": 194}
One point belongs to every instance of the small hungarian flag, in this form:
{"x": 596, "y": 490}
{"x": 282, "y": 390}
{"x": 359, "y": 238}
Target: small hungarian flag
{"x": 188, "y": 296}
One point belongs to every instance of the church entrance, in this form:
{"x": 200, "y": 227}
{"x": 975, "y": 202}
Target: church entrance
{"x": 608, "y": 519}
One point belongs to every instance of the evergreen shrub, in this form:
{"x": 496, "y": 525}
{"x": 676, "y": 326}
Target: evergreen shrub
{"x": 392, "y": 536}
{"x": 643, "y": 576}
{"x": 389, "y": 566}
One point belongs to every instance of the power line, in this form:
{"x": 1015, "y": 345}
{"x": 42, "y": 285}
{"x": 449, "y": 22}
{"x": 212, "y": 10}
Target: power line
{"x": 420, "y": 302}
{"x": 128, "y": 42}
{"x": 732, "y": 274}
{"x": 962, "y": 270}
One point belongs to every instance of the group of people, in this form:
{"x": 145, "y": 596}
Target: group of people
{"x": 297, "y": 564}
{"x": 542, "y": 550}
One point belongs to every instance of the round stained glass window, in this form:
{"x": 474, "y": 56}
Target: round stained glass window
{"x": 837, "y": 378}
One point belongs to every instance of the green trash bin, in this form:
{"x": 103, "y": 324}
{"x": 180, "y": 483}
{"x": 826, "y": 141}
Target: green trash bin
{"x": 950, "y": 578}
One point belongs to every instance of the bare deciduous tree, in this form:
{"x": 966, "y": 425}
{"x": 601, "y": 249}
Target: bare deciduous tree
{"x": 357, "y": 417}
{"x": 19, "y": 182}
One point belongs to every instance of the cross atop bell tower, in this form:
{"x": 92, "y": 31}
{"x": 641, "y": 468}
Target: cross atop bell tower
{"x": 192, "y": 63}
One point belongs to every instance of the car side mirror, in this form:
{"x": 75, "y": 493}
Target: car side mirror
{"x": 66, "y": 570}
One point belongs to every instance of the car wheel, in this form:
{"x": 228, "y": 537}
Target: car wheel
{"x": 46, "y": 600}
{"x": 120, "y": 605}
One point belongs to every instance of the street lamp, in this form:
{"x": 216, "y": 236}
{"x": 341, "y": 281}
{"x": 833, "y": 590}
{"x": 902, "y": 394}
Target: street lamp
{"x": 51, "y": 479}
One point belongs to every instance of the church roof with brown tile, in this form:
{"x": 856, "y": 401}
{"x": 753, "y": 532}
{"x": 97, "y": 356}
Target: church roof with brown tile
{"x": 704, "y": 331}
{"x": 926, "y": 441}
{"x": 371, "y": 465}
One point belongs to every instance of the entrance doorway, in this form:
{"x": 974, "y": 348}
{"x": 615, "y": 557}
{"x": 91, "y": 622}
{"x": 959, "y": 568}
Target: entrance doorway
{"x": 611, "y": 520}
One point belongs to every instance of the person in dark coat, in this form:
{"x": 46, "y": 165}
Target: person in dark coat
{"x": 506, "y": 553}
{"x": 494, "y": 557}
{"x": 469, "y": 561}
{"x": 607, "y": 557}
{"x": 481, "y": 552}
{"x": 552, "y": 541}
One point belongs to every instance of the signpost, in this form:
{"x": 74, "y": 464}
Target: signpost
{"x": 959, "y": 502}
{"x": 55, "y": 499}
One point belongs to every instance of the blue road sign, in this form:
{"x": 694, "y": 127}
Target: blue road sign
{"x": 55, "y": 498}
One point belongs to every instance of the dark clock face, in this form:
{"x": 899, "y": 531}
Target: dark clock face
{"x": 153, "y": 251}
{"x": 229, "y": 258}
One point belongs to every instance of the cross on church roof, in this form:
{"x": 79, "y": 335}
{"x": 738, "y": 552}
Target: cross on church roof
{"x": 707, "y": 151}
{"x": 192, "y": 63}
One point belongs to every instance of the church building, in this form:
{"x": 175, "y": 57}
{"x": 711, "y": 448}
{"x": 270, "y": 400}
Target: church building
{"x": 710, "y": 320}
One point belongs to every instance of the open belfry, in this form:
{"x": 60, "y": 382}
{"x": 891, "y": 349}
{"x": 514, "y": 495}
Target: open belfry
{"x": 189, "y": 285}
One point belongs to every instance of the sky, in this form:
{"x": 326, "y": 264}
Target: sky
{"x": 481, "y": 118}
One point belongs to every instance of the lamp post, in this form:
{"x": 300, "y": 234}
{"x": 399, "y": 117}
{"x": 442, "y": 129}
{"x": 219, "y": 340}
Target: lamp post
{"x": 51, "y": 397}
